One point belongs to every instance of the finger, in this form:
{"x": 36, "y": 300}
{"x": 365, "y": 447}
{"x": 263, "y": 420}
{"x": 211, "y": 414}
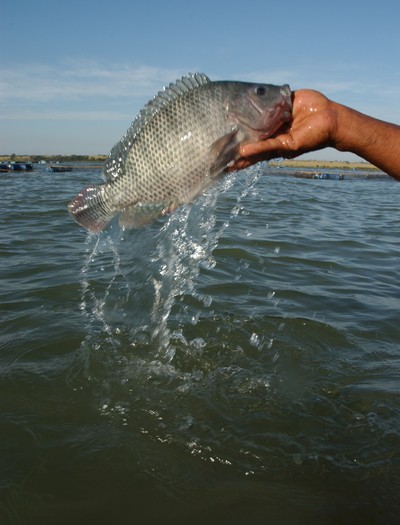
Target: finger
{"x": 239, "y": 164}
{"x": 266, "y": 148}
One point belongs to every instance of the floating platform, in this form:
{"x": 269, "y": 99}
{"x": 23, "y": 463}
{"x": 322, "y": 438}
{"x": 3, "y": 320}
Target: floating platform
{"x": 318, "y": 175}
{"x": 15, "y": 166}
{"x": 60, "y": 169}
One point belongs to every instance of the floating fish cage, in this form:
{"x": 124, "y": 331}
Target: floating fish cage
{"x": 60, "y": 169}
{"x": 15, "y": 166}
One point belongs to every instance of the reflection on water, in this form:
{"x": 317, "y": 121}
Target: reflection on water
{"x": 233, "y": 362}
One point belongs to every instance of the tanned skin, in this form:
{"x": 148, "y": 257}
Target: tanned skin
{"x": 318, "y": 123}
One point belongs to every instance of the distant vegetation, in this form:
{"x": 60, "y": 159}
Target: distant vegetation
{"x": 322, "y": 164}
{"x": 295, "y": 163}
{"x": 53, "y": 158}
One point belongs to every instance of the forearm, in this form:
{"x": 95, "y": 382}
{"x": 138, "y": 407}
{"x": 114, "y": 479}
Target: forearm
{"x": 319, "y": 123}
{"x": 376, "y": 141}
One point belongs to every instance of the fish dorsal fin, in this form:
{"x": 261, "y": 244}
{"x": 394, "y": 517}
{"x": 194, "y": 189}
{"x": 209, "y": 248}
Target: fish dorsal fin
{"x": 115, "y": 163}
{"x": 171, "y": 93}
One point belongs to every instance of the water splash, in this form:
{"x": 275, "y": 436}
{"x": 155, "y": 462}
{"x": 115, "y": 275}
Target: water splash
{"x": 185, "y": 248}
{"x": 138, "y": 282}
{"x": 93, "y": 300}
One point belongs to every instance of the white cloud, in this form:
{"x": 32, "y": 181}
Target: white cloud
{"x": 77, "y": 80}
{"x": 80, "y": 90}
{"x": 95, "y": 90}
{"x": 59, "y": 115}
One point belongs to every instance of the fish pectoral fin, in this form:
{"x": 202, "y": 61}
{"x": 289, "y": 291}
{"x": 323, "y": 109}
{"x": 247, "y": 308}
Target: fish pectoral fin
{"x": 223, "y": 151}
{"x": 142, "y": 214}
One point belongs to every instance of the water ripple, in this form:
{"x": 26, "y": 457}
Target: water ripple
{"x": 236, "y": 360}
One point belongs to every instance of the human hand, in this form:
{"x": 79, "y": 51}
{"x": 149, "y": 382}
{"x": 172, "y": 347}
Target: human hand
{"x": 313, "y": 127}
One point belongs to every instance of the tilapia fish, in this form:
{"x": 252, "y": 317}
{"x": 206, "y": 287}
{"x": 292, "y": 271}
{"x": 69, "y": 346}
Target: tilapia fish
{"x": 178, "y": 146}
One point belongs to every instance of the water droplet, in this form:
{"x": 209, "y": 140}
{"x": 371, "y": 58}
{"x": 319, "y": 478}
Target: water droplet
{"x": 207, "y": 300}
{"x": 254, "y": 340}
{"x": 198, "y": 343}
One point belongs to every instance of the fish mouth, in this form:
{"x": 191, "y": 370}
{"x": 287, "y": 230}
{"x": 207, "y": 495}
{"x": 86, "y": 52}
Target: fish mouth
{"x": 287, "y": 102}
{"x": 281, "y": 115}
{"x": 274, "y": 118}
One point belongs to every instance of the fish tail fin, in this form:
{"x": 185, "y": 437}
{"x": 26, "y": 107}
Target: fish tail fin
{"x": 89, "y": 208}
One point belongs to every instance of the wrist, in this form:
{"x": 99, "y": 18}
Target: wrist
{"x": 355, "y": 132}
{"x": 374, "y": 140}
{"x": 341, "y": 128}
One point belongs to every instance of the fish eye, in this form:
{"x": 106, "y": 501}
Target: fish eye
{"x": 260, "y": 90}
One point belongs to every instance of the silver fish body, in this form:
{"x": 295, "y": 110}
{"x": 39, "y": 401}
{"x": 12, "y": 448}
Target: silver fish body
{"x": 178, "y": 146}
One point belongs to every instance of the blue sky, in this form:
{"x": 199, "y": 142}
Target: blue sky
{"x": 74, "y": 74}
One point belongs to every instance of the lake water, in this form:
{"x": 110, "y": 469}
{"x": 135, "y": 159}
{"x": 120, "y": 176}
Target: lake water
{"x": 235, "y": 362}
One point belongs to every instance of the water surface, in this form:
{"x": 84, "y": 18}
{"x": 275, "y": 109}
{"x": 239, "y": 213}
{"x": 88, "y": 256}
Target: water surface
{"x": 236, "y": 362}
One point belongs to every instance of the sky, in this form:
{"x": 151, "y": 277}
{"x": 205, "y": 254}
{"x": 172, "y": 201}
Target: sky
{"x": 74, "y": 74}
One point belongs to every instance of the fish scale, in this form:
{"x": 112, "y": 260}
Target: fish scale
{"x": 180, "y": 143}
{"x": 174, "y": 154}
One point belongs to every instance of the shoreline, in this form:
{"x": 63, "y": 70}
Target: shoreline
{"x": 292, "y": 163}
{"x": 324, "y": 164}
{"x": 49, "y": 159}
